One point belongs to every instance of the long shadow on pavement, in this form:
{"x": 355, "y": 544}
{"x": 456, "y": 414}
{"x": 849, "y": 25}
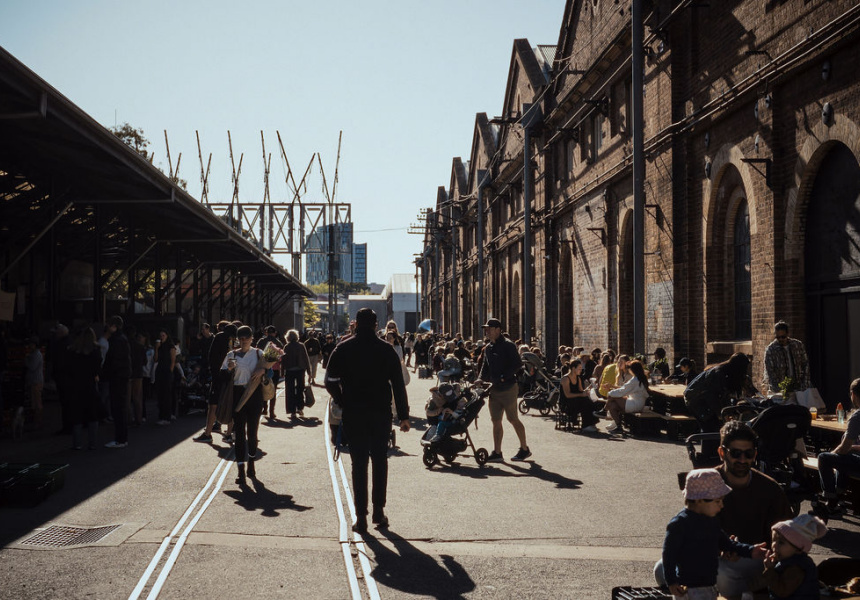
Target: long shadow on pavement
{"x": 261, "y": 498}
{"x": 531, "y": 469}
{"x": 409, "y": 570}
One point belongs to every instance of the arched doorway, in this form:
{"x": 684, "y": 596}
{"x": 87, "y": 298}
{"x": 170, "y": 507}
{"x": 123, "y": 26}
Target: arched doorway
{"x": 832, "y": 274}
{"x": 729, "y": 263}
{"x": 565, "y": 297}
{"x": 625, "y": 287}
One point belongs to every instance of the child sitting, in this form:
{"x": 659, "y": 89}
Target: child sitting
{"x": 694, "y": 539}
{"x": 451, "y": 409}
{"x": 789, "y": 571}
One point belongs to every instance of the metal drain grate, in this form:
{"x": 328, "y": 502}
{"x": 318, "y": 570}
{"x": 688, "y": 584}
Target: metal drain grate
{"x": 60, "y": 536}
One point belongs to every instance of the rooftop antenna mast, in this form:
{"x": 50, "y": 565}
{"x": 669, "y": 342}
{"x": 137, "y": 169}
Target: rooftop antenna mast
{"x": 174, "y": 175}
{"x": 204, "y": 173}
{"x": 234, "y": 202}
{"x": 267, "y": 213}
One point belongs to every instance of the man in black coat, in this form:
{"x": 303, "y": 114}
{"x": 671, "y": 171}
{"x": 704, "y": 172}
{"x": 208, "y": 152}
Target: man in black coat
{"x": 117, "y": 370}
{"x": 221, "y": 344}
{"x": 362, "y": 374}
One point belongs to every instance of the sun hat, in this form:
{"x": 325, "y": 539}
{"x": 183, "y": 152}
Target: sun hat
{"x": 801, "y": 531}
{"x": 704, "y": 484}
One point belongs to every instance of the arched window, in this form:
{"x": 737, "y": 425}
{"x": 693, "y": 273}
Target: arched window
{"x": 742, "y": 284}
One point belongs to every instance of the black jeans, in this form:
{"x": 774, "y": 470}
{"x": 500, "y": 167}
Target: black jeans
{"x": 368, "y": 439}
{"x": 246, "y": 422}
{"x": 164, "y": 392}
{"x": 118, "y": 407}
{"x": 294, "y": 384}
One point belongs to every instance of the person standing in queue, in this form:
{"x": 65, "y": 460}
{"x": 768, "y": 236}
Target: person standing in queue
{"x": 362, "y": 373}
{"x": 500, "y": 365}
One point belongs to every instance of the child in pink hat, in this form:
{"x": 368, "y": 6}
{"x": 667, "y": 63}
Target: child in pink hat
{"x": 694, "y": 539}
{"x": 789, "y": 571}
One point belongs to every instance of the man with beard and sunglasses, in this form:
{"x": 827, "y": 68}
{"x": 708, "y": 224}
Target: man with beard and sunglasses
{"x": 754, "y": 505}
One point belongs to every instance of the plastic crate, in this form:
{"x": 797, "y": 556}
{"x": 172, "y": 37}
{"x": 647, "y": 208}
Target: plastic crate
{"x": 25, "y": 491}
{"x": 644, "y": 593}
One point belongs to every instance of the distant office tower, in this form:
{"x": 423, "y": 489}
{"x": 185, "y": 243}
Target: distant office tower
{"x": 317, "y": 247}
{"x": 359, "y": 263}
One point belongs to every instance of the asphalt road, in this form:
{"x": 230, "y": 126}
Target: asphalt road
{"x": 583, "y": 515}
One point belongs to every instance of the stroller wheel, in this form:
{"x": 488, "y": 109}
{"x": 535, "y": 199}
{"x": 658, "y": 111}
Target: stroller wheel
{"x": 544, "y": 410}
{"x": 450, "y": 458}
{"x": 430, "y": 458}
{"x": 523, "y": 407}
{"x": 481, "y": 456}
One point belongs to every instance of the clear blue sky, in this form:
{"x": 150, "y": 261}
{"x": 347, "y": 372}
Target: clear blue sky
{"x": 402, "y": 79}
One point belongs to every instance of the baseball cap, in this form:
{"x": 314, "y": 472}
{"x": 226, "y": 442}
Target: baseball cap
{"x": 492, "y": 323}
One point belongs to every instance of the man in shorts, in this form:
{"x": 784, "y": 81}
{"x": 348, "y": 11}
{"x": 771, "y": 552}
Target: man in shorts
{"x": 501, "y": 361}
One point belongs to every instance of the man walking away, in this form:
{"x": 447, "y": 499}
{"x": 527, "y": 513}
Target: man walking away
{"x": 362, "y": 373}
{"x": 501, "y": 361}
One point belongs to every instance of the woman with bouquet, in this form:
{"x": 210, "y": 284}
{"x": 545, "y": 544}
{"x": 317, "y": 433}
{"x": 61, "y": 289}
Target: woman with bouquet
{"x": 294, "y": 364}
{"x": 248, "y": 366}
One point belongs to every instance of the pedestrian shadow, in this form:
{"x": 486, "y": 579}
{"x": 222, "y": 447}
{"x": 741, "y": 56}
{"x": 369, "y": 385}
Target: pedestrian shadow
{"x": 409, "y": 570}
{"x": 303, "y": 422}
{"x": 259, "y": 497}
{"x": 534, "y": 469}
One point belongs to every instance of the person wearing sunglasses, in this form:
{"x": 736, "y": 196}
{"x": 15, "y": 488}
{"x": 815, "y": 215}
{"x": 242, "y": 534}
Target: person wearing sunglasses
{"x": 694, "y": 539}
{"x": 756, "y": 503}
{"x": 785, "y": 357}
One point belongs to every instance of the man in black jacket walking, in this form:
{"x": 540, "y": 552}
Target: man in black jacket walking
{"x": 500, "y": 364}
{"x": 362, "y": 374}
{"x": 117, "y": 370}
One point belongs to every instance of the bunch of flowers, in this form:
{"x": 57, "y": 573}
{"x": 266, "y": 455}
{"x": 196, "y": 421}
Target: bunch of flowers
{"x": 271, "y": 354}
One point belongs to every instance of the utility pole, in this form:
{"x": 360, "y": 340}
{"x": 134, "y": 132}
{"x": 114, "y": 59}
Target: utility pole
{"x": 531, "y": 116}
{"x": 636, "y": 102}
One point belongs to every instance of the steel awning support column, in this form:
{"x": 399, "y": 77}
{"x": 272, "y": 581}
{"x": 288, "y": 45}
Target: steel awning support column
{"x": 36, "y": 239}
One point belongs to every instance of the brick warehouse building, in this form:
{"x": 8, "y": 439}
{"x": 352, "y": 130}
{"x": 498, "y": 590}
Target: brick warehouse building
{"x": 752, "y": 187}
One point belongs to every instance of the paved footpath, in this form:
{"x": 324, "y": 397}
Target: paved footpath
{"x": 584, "y": 514}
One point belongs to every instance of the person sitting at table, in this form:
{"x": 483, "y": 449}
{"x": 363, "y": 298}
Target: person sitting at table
{"x": 837, "y": 466}
{"x": 612, "y": 376}
{"x": 714, "y": 389}
{"x": 597, "y": 374}
{"x": 686, "y": 372}
{"x": 630, "y": 397}
{"x": 660, "y": 366}
{"x": 574, "y": 399}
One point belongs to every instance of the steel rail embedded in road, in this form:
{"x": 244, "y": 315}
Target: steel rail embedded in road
{"x": 221, "y": 469}
{"x": 344, "y": 540}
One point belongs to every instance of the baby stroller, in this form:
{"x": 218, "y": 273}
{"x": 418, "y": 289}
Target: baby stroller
{"x": 467, "y": 404}
{"x": 544, "y": 390}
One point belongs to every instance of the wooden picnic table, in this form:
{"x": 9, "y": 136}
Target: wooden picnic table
{"x": 829, "y": 423}
{"x": 673, "y": 390}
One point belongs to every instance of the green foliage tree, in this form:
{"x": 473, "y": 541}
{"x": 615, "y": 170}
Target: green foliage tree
{"x": 135, "y": 138}
{"x": 342, "y": 287}
{"x": 312, "y": 314}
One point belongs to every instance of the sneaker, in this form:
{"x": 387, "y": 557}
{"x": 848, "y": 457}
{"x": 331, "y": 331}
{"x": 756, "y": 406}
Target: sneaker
{"x": 589, "y": 429}
{"x": 162, "y": 422}
{"x": 116, "y": 444}
{"x": 495, "y": 457}
{"x": 613, "y": 428}
{"x": 600, "y": 414}
{"x": 203, "y": 438}
{"x": 522, "y": 454}
{"x": 227, "y": 438}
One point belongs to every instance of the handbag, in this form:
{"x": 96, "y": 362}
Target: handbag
{"x": 224, "y": 412}
{"x": 268, "y": 389}
{"x": 309, "y": 397}
{"x": 810, "y": 398}
{"x": 405, "y": 374}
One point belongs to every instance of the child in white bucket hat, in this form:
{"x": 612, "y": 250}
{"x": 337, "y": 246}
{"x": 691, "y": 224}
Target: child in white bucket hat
{"x": 788, "y": 569}
{"x": 694, "y": 539}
